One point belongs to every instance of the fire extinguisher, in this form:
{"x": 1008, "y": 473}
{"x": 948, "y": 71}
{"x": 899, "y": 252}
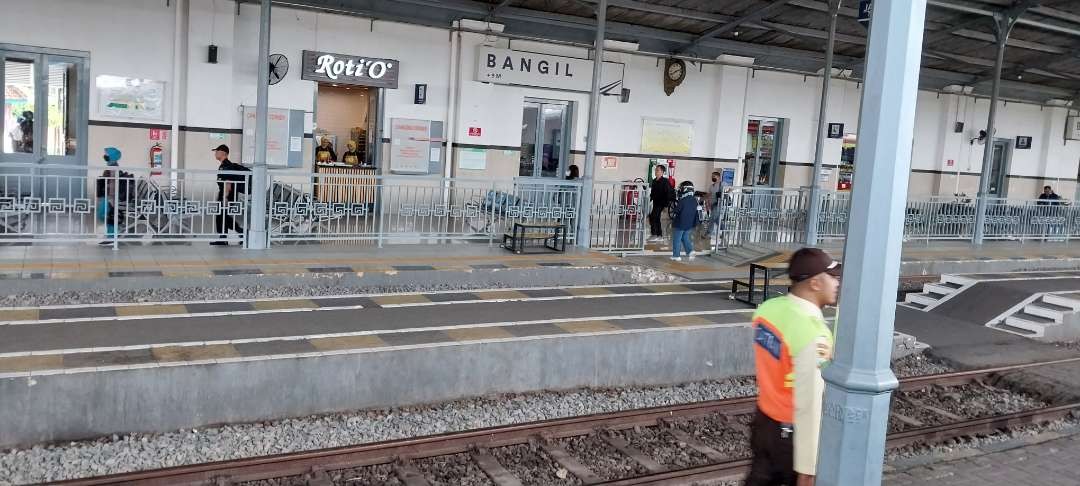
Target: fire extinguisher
{"x": 157, "y": 159}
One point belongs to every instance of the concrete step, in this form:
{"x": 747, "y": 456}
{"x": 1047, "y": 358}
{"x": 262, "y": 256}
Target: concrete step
{"x": 912, "y": 305}
{"x": 956, "y": 281}
{"x": 1028, "y": 333}
{"x": 951, "y": 285}
{"x": 1030, "y": 322}
{"x": 1065, "y": 300}
{"x": 925, "y": 300}
{"x": 938, "y": 289}
{"x": 1042, "y": 309}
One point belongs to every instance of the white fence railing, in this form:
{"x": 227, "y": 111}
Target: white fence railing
{"x": 409, "y": 209}
{"x": 63, "y": 203}
{"x": 44, "y": 203}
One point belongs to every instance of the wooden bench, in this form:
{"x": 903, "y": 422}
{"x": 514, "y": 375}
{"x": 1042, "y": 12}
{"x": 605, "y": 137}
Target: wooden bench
{"x": 774, "y": 282}
{"x": 553, "y": 236}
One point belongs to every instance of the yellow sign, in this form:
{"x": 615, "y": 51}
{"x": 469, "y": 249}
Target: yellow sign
{"x": 666, "y": 137}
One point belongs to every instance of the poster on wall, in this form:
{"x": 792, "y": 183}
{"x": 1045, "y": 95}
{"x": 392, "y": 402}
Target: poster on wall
{"x": 410, "y": 141}
{"x": 666, "y": 136}
{"x": 139, "y": 99}
{"x": 472, "y": 159}
{"x": 284, "y": 134}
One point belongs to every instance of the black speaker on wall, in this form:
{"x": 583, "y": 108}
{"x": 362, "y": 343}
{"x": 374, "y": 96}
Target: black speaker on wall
{"x": 211, "y": 54}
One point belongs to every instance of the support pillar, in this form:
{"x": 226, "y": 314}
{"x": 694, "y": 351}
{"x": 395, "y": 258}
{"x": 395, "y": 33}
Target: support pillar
{"x": 1003, "y": 24}
{"x": 256, "y": 231}
{"x": 815, "y": 187}
{"x": 584, "y": 237}
{"x": 859, "y": 382}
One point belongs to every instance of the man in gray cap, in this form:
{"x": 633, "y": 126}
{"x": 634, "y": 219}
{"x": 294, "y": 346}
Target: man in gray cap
{"x": 230, "y": 185}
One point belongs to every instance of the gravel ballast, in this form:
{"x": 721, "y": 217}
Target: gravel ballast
{"x": 145, "y": 451}
{"x": 116, "y": 454}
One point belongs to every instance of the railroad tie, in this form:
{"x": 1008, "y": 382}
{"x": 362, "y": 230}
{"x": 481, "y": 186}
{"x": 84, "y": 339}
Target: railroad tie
{"x": 494, "y": 469}
{"x": 558, "y": 454}
{"x": 622, "y": 446}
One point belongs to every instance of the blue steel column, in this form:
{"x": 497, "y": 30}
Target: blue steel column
{"x": 256, "y": 234}
{"x": 1002, "y": 27}
{"x": 584, "y": 237}
{"x": 859, "y": 381}
{"x": 815, "y": 187}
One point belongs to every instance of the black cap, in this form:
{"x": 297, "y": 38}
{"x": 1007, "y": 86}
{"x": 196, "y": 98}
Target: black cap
{"x": 809, "y": 262}
{"x": 223, "y": 148}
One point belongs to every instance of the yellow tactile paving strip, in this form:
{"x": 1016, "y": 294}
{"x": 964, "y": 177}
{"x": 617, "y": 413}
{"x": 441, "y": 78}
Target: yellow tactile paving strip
{"x": 284, "y": 304}
{"x": 581, "y": 291}
{"x": 198, "y": 268}
{"x": 401, "y": 299}
{"x": 177, "y": 355}
{"x": 150, "y": 310}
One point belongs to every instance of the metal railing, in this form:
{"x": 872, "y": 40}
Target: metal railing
{"x": 619, "y": 216}
{"x": 47, "y": 203}
{"x": 762, "y": 215}
{"x": 409, "y": 209}
{"x": 55, "y": 203}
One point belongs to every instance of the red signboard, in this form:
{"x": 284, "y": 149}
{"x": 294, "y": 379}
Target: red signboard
{"x": 155, "y": 134}
{"x": 474, "y": 131}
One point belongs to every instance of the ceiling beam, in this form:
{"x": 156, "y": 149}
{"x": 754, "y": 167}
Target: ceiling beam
{"x": 563, "y": 28}
{"x": 1038, "y": 24}
{"x": 965, "y": 21}
{"x": 756, "y": 14}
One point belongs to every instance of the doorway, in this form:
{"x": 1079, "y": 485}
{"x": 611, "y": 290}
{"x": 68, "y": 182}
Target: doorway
{"x": 347, "y": 126}
{"x": 545, "y": 132}
{"x": 999, "y": 168}
{"x": 44, "y": 122}
{"x": 763, "y": 138}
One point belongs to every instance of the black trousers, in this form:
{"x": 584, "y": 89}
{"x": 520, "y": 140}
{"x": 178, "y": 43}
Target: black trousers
{"x": 774, "y": 453}
{"x": 224, "y": 221}
{"x": 655, "y": 228}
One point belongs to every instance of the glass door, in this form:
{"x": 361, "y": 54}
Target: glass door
{"x": 44, "y": 123}
{"x": 545, "y": 126}
{"x": 762, "y": 152}
{"x": 999, "y": 168}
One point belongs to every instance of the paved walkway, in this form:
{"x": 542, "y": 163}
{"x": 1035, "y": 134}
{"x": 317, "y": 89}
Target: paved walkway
{"x": 1050, "y": 463}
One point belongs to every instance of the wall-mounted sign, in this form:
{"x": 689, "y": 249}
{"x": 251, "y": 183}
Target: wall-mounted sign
{"x": 352, "y": 70}
{"x": 420, "y": 94}
{"x": 950, "y": 163}
{"x": 415, "y": 146}
{"x": 666, "y": 136}
{"x": 609, "y": 162}
{"x": 1023, "y": 143}
{"x": 474, "y": 131}
{"x": 282, "y": 126}
{"x": 504, "y": 66}
{"x": 836, "y": 130}
{"x": 122, "y": 97}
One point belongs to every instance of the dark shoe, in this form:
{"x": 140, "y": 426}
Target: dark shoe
{"x": 106, "y": 243}
{"x": 219, "y": 243}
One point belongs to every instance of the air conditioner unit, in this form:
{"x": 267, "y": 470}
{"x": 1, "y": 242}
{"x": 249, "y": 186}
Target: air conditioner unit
{"x": 1072, "y": 128}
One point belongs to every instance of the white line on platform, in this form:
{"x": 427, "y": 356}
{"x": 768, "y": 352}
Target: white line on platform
{"x": 338, "y": 308}
{"x": 52, "y": 352}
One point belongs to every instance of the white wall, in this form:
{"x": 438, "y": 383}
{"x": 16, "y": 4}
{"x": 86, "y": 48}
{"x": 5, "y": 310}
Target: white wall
{"x": 716, "y": 99}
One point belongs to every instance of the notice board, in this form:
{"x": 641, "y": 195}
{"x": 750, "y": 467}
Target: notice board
{"x": 284, "y": 137}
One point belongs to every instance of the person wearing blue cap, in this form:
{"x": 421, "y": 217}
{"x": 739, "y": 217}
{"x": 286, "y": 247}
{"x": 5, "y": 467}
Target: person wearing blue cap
{"x": 106, "y": 191}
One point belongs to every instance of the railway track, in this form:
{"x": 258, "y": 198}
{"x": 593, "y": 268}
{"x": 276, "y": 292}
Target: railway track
{"x": 681, "y": 444}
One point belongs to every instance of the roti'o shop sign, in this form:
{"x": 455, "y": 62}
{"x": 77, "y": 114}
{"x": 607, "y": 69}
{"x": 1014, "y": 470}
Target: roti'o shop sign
{"x": 327, "y": 67}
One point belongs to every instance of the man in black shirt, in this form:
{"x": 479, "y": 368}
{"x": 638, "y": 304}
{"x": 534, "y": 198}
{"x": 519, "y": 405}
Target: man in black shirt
{"x": 230, "y": 186}
{"x": 661, "y": 195}
{"x": 1049, "y": 197}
